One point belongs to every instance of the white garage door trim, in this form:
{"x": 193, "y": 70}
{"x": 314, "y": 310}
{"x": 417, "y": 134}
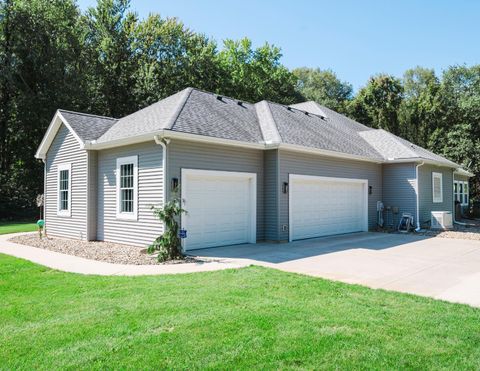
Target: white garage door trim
{"x": 293, "y": 177}
{"x": 228, "y": 174}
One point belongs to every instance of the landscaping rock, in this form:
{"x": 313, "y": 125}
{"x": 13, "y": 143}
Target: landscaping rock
{"x": 97, "y": 250}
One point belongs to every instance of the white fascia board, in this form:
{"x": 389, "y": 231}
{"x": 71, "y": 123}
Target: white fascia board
{"x": 461, "y": 171}
{"x": 419, "y": 160}
{"x": 94, "y": 145}
{"x": 52, "y": 130}
{"x": 168, "y": 134}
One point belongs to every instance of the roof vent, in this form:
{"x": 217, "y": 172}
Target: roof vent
{"x": 306, "y": 113}
{"x": 290, "y": 108}
{"x": 219, "y": 97}
{"x": 240, "y": 103}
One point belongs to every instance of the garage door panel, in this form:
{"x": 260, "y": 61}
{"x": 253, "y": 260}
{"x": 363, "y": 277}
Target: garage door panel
{"x": 323, "y": 206}
{"x": 220, "y": 208}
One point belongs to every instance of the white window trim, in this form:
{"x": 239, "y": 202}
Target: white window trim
{"x": 462, "y": 194}
{"x": 123, "y": 161}
{"x": 439, "y": 199}
{"x": 60, "y": 167}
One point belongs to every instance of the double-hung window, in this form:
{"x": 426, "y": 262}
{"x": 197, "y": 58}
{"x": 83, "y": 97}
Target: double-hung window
{"x": 127, "y": 187}
{"x": 64, "y": 189}
{"x": 460, "y": 189}
{"x": 437, "y": 187}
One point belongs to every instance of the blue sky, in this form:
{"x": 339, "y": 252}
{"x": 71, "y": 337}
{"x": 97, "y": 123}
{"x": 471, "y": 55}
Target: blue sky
{"x": 356, "y": 39}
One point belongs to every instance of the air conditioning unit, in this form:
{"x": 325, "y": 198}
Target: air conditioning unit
{"x": 442, "y": 220}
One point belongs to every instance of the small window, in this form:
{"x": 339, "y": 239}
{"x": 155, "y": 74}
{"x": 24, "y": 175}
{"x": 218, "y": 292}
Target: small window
{"x": 64, "y": 189}
{"x": 127, "y": 179}
{"x": 437, "y": 187}
{"x": 465, "y": 193}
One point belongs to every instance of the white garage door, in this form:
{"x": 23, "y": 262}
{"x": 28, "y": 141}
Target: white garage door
{"x": 221, "y": 208}
{"x": 321, "y": 206}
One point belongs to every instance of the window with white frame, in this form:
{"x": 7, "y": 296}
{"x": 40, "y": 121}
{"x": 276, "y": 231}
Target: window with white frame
{"x": 64, "y": 187}
{"x": 127, "y": 187}
{"x": 437, "y": 187}
{"x": 460, "y": 189}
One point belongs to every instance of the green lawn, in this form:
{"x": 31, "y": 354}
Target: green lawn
{"x": 235, "y": 319}
{"x": 14, "y": 227}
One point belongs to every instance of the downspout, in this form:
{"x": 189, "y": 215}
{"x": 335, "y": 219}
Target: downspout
{"x": 45, "y": 194}
{"x": 417, "y": 195}
{"x": 163, "y": 142}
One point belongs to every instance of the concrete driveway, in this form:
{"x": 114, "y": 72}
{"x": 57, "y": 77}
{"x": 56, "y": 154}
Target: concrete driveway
{"x": 441, "y": 268}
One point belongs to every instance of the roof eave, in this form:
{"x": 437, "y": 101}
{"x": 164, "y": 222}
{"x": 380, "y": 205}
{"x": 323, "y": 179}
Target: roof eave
{"x": 170, "y": 134}
{"x": 462, "y": 171}
{"x": 52, "y": 130}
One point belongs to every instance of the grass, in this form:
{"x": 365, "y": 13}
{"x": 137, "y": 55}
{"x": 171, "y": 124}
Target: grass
{"x": 14, "y": 227}
{"x": 234, "y": 319}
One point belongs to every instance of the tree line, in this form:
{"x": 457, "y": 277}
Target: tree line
{"x": 108, "y": 61}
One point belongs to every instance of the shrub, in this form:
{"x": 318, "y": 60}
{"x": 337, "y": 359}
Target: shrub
{"x": 168, "y": 245}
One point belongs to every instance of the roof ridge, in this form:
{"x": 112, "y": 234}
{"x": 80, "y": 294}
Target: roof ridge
{"x": 183, "y": 101}
{"x": 222, "y": 95}
{"x": 268, "y": 126}
{"x": 87, "y": 114}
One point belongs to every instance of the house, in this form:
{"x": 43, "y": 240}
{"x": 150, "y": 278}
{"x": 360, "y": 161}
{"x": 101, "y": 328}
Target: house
{"x": 246, "y": 172}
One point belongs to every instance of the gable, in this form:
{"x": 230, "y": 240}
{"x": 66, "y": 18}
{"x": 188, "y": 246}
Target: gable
{"x": 53, "y": 128}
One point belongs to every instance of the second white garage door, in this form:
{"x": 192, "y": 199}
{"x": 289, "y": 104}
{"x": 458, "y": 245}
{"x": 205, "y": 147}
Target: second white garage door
{"x": 321, "y": 206}
{"x": 221, "y": 208}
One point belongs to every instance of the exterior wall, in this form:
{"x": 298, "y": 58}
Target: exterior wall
{"x": 92, "y": 211}
{"x": 425, "y": 191}
{"x": 317, "y": 165}
{"x": 194, "y": 155}
{"x": 65, "y": 149}
{"x": 399, "y": 181}
{"x": 146, "y": 228}
{"x": 272, "y": 189}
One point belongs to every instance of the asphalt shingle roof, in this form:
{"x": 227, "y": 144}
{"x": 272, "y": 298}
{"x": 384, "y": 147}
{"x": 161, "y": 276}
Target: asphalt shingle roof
{"x": 305, "y": 124}
{"x": 220, "y": 117}
{"x": 310, "y": 130}
{"x": 88, "y": 127}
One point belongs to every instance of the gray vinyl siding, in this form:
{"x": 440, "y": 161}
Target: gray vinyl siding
{"x": 272, "y": 189}
{"x": 317, "y": 165}
{"x": 92, "y": 195}
{"x": 425, "y": 191}
{"x": 399, "y": 182}
{"x": 146, "y": 228}
{"x": 66, "y": 149}
{"x": 194, "y": 155}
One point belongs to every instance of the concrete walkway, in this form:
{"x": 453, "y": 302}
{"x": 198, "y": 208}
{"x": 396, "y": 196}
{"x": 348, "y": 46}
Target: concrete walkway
{"x": 441, "y": 268}
{"x": 75, "y": 264}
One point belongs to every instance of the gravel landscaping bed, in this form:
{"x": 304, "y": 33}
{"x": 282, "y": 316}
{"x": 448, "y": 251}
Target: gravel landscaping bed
{"x": 97, "y": 250}
{"x": 470, "y": 232}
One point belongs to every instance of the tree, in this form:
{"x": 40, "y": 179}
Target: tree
{"x": 170, "y": 58}
{"x": 324, "y": 87}
{"x": 255, "y": 74}
{"x": 378, "y": 103}
{"x": 420, "y": 111}
{"x": 111, "y": 61}
{"x": 40, "y": 72}
{"x": 458, "y": 135}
